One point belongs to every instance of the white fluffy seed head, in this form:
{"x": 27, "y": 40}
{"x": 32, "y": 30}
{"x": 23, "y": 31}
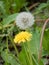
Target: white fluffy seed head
{"x": 24, "y": 20}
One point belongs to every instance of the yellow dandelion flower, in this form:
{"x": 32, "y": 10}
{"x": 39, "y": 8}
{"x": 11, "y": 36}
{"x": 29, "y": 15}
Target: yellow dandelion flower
{"x": 22, "y": 37}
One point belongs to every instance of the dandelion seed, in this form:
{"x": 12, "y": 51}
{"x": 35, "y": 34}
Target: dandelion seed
{"x": 24, "y": 20}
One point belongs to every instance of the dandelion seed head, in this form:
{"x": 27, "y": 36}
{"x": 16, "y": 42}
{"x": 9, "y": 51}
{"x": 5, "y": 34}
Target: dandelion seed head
{"x": 24, "y": 20}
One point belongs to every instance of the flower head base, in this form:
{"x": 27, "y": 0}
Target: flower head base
{"x": 24, "y": 20}
{"x": 22, "y": 37}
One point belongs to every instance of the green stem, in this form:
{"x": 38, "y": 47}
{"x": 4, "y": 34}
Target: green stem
{"x": 15, "y": 48}
{"x": 30, "y": 55}
{"x": 7, "y": 49}
{"x": 27, "y": 54}
{"x": 7, "y": 42}
{"x": 14, "y": 45}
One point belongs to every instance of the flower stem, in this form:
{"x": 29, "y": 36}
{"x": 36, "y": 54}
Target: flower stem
{"x": 42, "y": 34}
{"x": 14, "y": 45}
{"x": 30, "y": 55}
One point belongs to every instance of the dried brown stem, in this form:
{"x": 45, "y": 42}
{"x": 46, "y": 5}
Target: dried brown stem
{"x": 32, "y": 6}
{"x": 40, "y": 20}
{"x": 42, "y": 34}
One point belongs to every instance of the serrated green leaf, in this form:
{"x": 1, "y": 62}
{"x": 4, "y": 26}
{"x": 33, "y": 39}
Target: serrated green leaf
{"x": 9, "y": 19}
{"x": 35, "y": 42}
{"x": 41, "y": 7}
{"x": 9, "y": 58}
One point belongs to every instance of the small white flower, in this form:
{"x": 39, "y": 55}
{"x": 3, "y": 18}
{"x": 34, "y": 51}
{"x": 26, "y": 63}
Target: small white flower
{"x": 24, "y": 20}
